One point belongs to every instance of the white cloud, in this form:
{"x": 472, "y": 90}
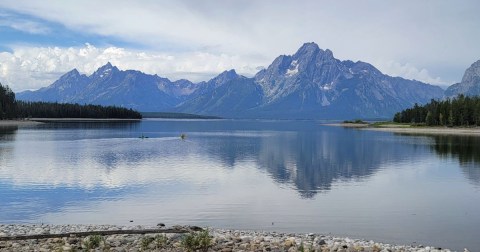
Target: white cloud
{"x": 408, "y": 71}
{"x": 242, "y": 34}
{"x": 35, "y": 67}
{"x": 23, "y": 25}
{"x": 354, "y": 30}
{"x": 26, "y": 26}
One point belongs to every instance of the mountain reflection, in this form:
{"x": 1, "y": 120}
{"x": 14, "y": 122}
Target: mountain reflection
{"x": 305, "y": 156}
{"x": 309, "y": 160}
{"x": 312, "y": 161}
{"x": 52, "y": 169}
{"x": 464, "y": 148}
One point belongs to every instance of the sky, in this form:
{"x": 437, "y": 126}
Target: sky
{"x": 433, "y": 41}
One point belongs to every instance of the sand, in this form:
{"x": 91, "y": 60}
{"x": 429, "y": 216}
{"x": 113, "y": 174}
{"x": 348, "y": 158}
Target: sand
{"x": 405, "y": 129}
{"x": 17, "y": 123}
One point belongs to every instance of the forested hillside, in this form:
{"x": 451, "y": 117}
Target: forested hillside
{"x": 459, "y": 111}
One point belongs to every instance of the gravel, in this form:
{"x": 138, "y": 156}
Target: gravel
{"x": 219, "y": 239}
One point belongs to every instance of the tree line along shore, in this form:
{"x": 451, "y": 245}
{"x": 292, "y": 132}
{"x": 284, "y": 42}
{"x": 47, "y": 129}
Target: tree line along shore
{"x": 462, "y": 111}
{"x": 11, "y": 109}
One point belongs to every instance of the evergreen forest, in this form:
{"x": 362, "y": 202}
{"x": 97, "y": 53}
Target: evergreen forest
{"x": 8, "y": 105}
{"x": 13, "y": 109}
{"x": 462, "y": 111}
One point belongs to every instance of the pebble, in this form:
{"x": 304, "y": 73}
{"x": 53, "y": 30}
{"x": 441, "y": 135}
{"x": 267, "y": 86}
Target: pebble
{"x": 222, "y": 240}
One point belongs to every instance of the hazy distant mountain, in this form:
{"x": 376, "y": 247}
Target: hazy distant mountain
{"x": 228, "y": 95}
{"x": 66, "y": 88}
{"x": 110, "y": 86}
{"x": 313, "y": 84}
{"x": 309, "y": 84}
{"x": 470, "y": 84}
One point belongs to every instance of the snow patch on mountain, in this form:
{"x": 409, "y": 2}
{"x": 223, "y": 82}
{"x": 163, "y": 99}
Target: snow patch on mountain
{"x": 293, "y": 68}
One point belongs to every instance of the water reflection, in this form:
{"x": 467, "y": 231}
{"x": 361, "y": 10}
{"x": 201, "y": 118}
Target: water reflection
{"x": 244, "y": 174}
{"x": 90, "y": 125}
{"x": 7, "y": 134}
{"x": 465, "y": 149}
{"x": 312, "y": 161}
{"x": 309, "y": 160}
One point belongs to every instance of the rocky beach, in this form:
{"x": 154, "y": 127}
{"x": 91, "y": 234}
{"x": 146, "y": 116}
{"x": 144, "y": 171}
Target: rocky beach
{"x": 179, "y": 238}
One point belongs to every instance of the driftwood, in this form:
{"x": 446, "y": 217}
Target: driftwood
{"x": 100, "y": 232}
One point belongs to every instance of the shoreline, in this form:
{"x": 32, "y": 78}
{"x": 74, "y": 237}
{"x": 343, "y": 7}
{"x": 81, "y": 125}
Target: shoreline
{"x": 18, "y": 123}
{"x": 38, "y": 121}
{"x": 75, "y": 120}
{"x": 130, "y": 238}
{"x": 411, "y": 130}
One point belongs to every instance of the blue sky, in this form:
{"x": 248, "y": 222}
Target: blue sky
{"x": 18, "y": 29}
{"x": 432, "y": 41}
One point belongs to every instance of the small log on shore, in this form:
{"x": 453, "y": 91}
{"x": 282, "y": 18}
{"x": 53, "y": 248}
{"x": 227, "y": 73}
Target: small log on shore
{"x": 99, "y": 232}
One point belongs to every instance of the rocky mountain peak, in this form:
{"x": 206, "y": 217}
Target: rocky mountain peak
{"x": 228, "y": 74}
{"x": 69, "y": 78}
{"x": 470, "y": 84}
{"x": 308, "y": 48}
{"x": 309, "y": 51}
{"x": 105, "y": 70}
{"x": 224, "y": 77}
{"x": 69, "y": 75}
{"x": 108, "y": 65}
{"x": 472, "y": 74}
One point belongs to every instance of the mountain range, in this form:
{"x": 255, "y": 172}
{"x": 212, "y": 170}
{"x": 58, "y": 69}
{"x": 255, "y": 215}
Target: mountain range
{"x": 310, "y": 84}
{"x": 111, "y": 86}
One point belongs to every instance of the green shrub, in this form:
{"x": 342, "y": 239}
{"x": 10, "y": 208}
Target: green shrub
{"x": 92, "y": 241}
{"x": 197, "y": 241}
{"x": 146, "y": 241}
{"x": 301, "y": 248}
{"x": 161, "y": 241}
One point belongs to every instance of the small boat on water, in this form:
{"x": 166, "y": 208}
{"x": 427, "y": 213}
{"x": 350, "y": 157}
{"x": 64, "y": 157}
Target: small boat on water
{"x": 143, "y": 136}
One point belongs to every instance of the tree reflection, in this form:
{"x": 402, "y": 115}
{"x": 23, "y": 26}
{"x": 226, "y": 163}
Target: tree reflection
{"x": 7, "y": 133}
{"x": 464, "y": 148}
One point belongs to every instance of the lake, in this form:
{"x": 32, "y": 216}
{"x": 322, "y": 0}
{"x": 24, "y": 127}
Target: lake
{"x": 286, "y": 176}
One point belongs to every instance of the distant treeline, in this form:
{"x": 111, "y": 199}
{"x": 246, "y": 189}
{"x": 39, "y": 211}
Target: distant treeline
{"x": 11, "y": 109}
{"x": 459, "y": 111}
{"x": 168, "y": 115}
{"x": 66, "y": 110}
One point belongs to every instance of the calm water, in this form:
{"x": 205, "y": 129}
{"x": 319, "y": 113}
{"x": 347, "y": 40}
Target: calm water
{"x": 293, "y": 176}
